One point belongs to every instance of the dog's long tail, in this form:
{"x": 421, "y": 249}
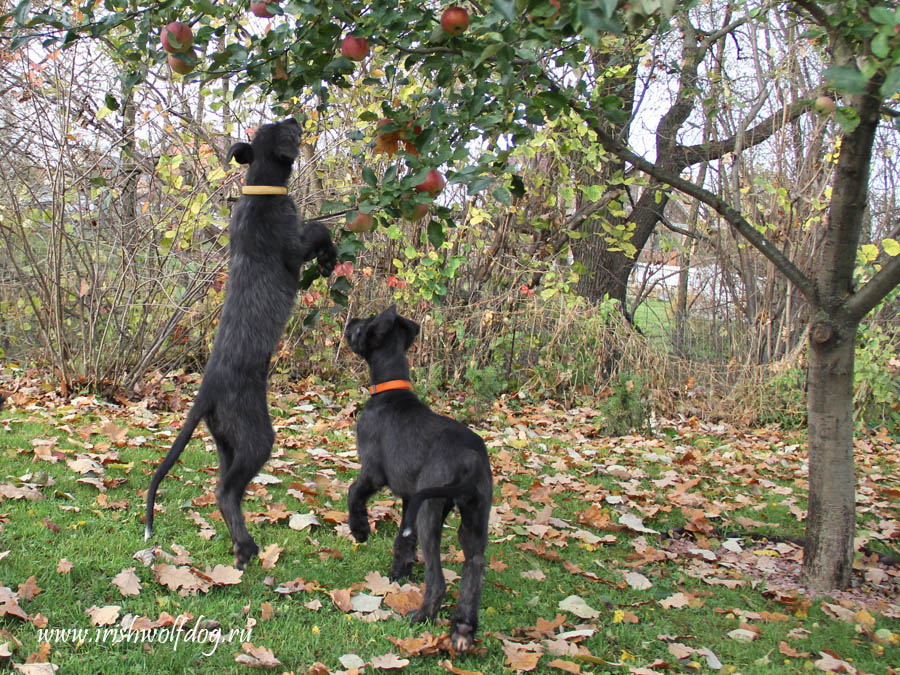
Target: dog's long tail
{"x": 407, "y": 525}
{"x": 193, "y": 419}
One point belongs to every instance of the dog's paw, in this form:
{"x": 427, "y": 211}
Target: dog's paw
{"x": 326, "y": 259}
{"x": 462, "y": 635}
{"x": 360, "y": 530}
{"x": 244, "y": 553}
{"x": 400, "y": 572}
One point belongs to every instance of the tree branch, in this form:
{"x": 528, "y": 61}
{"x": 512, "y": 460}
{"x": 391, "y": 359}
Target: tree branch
{"x": 732, "y": 216}
{"x": 704, "y": 152}
{"x": 874, "y": 291}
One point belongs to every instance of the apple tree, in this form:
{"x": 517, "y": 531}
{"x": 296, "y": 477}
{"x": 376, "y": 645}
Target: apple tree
{"x": 488, "y": 81}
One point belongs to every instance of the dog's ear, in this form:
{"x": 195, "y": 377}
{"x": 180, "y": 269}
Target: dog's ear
{"x": 410, "y": 330}
{"x": 381, "y": 325}
{"x": 241, "y": 152}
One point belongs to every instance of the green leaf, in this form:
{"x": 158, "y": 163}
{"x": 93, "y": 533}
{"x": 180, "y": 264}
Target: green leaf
{"x": 436, "y": 233}
{"x": 502, "y": 195}
{"x": 884, "y": 15}
{"x": 847, "y": 79}
{"x": 847, "y": 117}
{"x": 21, "y": 12}
{"x": 311, "y": 319}
{"x": 891, "y": 247}
{"x": 506, "y": 8}
{"x": 369, "y": 177}
{"x": 880, "y": 46}
{"x": 891, "y": 83}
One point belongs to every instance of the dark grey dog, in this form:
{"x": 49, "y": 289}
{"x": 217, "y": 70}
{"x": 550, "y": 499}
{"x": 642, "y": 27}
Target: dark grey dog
{"x": 431, "y": 462}
{"x": 267, "y": 251}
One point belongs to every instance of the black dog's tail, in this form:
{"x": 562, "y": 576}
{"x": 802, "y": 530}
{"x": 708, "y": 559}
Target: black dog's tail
{"x": 193, "y": 419}
{"x": 408, "y": 524}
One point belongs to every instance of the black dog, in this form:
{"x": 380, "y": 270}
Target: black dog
{"x": 430, "y": 461}
{"x": 267, "y": 251}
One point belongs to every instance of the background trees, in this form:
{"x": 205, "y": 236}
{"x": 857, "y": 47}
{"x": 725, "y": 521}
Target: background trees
{"x": 534, "y": 112}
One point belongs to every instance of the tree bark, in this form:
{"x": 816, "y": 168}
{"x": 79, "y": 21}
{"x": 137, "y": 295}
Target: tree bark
{"x": 831, "y": 523}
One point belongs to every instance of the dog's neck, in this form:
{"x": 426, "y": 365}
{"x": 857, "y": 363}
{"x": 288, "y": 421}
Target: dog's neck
{"x": 395, "y": 367}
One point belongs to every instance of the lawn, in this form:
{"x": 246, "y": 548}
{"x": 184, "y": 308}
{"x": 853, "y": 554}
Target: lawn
{"x": 606, "y": 555}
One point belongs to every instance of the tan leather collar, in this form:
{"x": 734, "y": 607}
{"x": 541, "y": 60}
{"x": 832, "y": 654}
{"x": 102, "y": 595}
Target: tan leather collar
{"x": 389, "y": 385}
{"x": 264, "y": 190}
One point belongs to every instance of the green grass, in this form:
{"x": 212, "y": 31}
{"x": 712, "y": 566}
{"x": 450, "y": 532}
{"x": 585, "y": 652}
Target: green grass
{"x": 548, "y": 464}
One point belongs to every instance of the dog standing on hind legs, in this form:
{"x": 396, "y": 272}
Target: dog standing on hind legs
{"x": 431, "y": 462}
{"x": 267, "y": 251}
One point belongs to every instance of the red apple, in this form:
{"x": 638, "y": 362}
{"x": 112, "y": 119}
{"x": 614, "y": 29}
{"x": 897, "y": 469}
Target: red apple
{"x": 362, "y": 223}
{"x": 261, "y": 9}
{"x": 824, "y": 105}
{"x": 354, "y": 48}
{"x": 176, "y": 37}
{"x": 419, "y": 211}
{"x": 433, "y": 183}
{"x": 455, "y": 20}
{"x": 179, "y": 65}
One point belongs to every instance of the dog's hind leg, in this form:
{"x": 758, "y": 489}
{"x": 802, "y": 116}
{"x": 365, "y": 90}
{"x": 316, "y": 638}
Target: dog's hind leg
{"x": 429, "y": 525}
{"x": 473, "y": 539}
{"x": 252, "y": 448}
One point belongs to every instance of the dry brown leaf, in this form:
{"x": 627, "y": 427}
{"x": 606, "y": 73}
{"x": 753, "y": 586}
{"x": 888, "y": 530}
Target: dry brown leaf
{"x": 389, "y": 661}
{"x": 269, "y": 556}
{"x": 297, "y": 585}
{"x": 29, "y": 589}
{"x": 224, "y": 575}
{"x": 675, "y": 601}
{"x": 103, "y": 616}
{"x": 257, "y": 657}
{"x": 176, "y": 578}
{"x": 127, "y": 582}
{"x": 567, "y": 666}
{"x": 9, "y": 604}
{"x": 787, "y": 650}
{"x": 341, "y": 599}
{"x": 266, "y": 611}
{"x": 35, "y": 668}
{"x": 404, "y": 602}
{"x": 450, "y": 668}
{"x": 519, "y": 659}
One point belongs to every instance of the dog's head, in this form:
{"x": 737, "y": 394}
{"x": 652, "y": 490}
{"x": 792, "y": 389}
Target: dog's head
{"x": 387, "y": 331}
{"x": 271, "y": 154}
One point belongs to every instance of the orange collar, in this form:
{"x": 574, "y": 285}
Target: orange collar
{"x": 264, "y": 190}
{"x": 387, "y": 386}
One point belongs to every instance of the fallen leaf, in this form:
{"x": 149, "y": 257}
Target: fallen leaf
{"x": 389, "y": 661}
{"x": 352, "y": 661}
{"x": 567, "y": 666}
{"x": 29, "y": 589}
{"x": 534, "y": 575}
{"x": 638, "y": 581}
{"x": 266, "y": 611}
{"x": 127, "y": 582}
{"x": 300, "y": 521}
{"x": 9, "y": 604}
{"x": 787, "y": 650}
{"x": 257, "y": 657}
{"x": 632, "y": 522}
{"x": 742, "y": 635}
{"x": 450, "y": 668}
{"x": 341, "y": 599}
{"x": 103, "y": 616}
{"x": 269, "y": 556}
{"x": 675, "y": 601}
{"x": 35, "y": 668}
{"x": 576, "y": 605}
{"x": 362, "y": 602}
{"x": 833, "y": 664}
{"x": 404, "y": 602}
{"x": 225, "y": 575}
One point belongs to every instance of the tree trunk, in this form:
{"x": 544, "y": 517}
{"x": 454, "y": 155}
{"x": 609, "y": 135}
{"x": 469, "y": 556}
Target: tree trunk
{"x": 830, "y": 527}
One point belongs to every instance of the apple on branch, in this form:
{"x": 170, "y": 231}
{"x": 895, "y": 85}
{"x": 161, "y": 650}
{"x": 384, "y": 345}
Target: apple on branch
{"x": 363, "y": 222}
{"x": 455, "y": 20}
{"x": 354, "y": 48}
{"x": 433, "y": 183}
{"x": 179, "y": 65}
{"x": 261, "y": 9}
{"x": 176, "y": 37}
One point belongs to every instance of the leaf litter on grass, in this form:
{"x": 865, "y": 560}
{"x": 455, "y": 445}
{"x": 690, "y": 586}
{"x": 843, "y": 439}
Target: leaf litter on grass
{"x": 562, "y": 488}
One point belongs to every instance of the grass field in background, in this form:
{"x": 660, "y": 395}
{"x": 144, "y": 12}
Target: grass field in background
{"x": 578, "y": 529}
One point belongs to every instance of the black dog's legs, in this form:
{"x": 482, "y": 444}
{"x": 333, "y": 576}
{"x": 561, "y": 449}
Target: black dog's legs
{"x": 363, "y": 488}
{"x": 429, "y": 524}
{"x": 243, "y": 446}
{"x": 404, "y": 552}
{"x": 473, "y": 539}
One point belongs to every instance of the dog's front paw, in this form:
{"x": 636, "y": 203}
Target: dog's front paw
{"x": 327, "y": 259}
{"x": 244, "y": 553}
{"x": 400, "y": 571}
{"x": 360, "y": 529}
